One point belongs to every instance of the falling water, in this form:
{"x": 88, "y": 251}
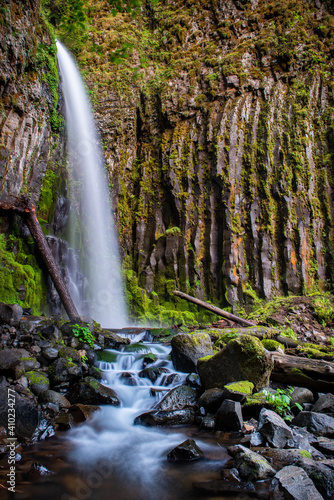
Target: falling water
{"x": 90, "y": 197}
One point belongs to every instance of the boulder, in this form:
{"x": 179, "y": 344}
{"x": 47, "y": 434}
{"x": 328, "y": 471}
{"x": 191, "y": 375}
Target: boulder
{"x": 63, "y": 370}
{"x": 273, "y": 428}
{"x": 325, "y": 445}
{"x": 211, "y": 399}
{"x": 187, "y": 349}
{"x": 89, "y": 391}
{"x": 10, "y": 313}
{"x": 54, "y": 397}
{"x": 185, "y": 452}
{"x": 38, "y": 382}
{"x": 301, "y": 395}
{"x": 113, "y": 341}
{"x": 52, "y": 333}
{"x": 27, "y": 417}
{"x": 292, "y": 482}
{"x": 50, "y": 354}
{"x": 166, "y": 417}
{"x": 238, "y": 391}
{"x": 241, "y": 359}
{"x": 9, "y": 359}
{"x": 193, "y": 379}
{"x": 38, "y": 471}
{"x": 229, "y": 416}
{"x": 177, "y": 398}
{"x": 321, "y": 475}
{"x": 153, "y": 372}
{"x": 253, "y": 467}
{"x": 325, "y": 404}
{"x": 207, "y": 423}
{"x": 30, "y": 364}
{"x": 282, "y": 458}
{"x": 81, "y": 413}
{"x": 317, "y": 423}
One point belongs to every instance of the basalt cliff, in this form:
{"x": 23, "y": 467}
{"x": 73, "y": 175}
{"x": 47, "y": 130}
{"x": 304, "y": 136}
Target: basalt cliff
{"x": 217, "y": 124}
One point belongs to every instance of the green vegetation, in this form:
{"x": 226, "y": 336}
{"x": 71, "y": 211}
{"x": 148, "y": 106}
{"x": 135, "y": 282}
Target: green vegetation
{"x": 84, "y": 334}
{"x": 272, "y": 345}
{"x": 324, "y": 310}
{"x": 280, "y": 402}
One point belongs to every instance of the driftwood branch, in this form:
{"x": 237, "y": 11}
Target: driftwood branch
{"x": 316, "y": 375}
{"x": 26, "y": 209}
{"x": 214, "y": 309}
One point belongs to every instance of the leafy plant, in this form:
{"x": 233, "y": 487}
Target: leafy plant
{"x": 280, "y": 401}
{"x": 323, "y": 310}
{"x": 84, "y": 334}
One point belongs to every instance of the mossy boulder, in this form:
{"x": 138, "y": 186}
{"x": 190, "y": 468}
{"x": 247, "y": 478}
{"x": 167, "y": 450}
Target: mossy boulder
{"x": 63, "y": 370}
{"x": 187, "y": 349}
{"x": 54, "y": 397}
{"x": 241, "y": 359}
{"x": 90, "y": 391}
{"x": 272, "y": 345}
{"x": 238, "y": 391}
{"x": 38, "y": 382}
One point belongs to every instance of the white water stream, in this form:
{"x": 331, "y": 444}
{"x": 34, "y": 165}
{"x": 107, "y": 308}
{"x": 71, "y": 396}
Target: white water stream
{"x": 89, "y": 196}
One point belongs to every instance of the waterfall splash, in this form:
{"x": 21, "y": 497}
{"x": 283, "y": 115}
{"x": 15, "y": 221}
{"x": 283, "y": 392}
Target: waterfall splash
{"x": 90, "y": 197}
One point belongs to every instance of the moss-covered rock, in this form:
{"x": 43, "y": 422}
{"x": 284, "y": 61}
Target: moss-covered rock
{"x": 187, "y": 349}
{"x": 272, "y": 345}
{"x": 91, "y": 392}
{"x": 238, "y": 391}
{"x": 38, "y": 382}
{"x": 242, "y": 359}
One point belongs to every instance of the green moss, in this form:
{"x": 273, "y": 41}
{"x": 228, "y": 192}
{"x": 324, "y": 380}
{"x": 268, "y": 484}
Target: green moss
{"x": 37, "y": 378}
{"x": 298, "y": 373}
{"x": 206, "y": 358}
{"x": 272, "y": 345}
{"x": 244, "y": 387}
{"x": 107, "y": 356}
{"x": 305, "y": 453}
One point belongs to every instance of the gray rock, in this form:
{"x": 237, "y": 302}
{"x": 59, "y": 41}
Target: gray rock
{"x": 30, "y": 363}
{"x": 9, "y": 359}
{"x": 229, "y": 416}
{"x": 187, "y": 349}
{"x": 325, "y": 404}
{"x": 51, "y": 332}
{"x": 177, "y": 398}
{"x": 273, "y": 428}
{"x": 153, "y": 372}
{"x": 325, "y": 445}
{"x": 54, "y": 397}
{"x": 301, "y": 395}
{"x": 317, "y": 423}
{"x": 208, "y": 423}
{"x": 238, "y": 391}
{"x": 241, "y": 359}
{"x": 113, "y": 341}
{"x": 186, "y": 451}
{"x": 193, "y": 379}
{"x": 165, "y": 417}
{"x": 254, "y": 467}
{"x": 27, "y": 417}
{"x": 256, "y": 439}
{"x": 10, "y": 313}
{"x": 90, "y": 391}
{"x": 321, "y": 475}
{"x": 292, "y": 482}
{"x": 211, "y": 399}
{"x": 237, "y": 449}
{"x": 50, "y": 354}
{"x": 230, "y": 475}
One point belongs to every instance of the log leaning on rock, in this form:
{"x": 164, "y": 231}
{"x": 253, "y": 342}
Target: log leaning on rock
{"x": 214, "y": 309}
{"x": 26, "y": 209}
{"x": 316, "y": 375}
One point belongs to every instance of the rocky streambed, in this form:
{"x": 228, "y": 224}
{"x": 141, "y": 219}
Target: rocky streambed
{"x": 154, "y": 413}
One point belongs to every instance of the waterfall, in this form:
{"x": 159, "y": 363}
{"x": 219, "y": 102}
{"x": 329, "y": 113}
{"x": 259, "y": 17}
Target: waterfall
{"x": 96, "y": 242}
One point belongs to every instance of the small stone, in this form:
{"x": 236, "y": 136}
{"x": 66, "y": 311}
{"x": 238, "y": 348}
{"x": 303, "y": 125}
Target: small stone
{"x": 186, "y": 451}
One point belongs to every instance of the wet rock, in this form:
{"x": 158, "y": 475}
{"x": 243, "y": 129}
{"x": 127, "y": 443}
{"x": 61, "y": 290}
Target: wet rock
{"x": 63, "y": 370}
{"x": 129, "y": 379}
{"x": 81, "y": 412}
{"x": 229, "y": 416}
{"x": 256, "y": 439}
{"x": 38, "y": 471}
{"x": 231, "y": 475}
{"x": 152, "y": 372}
{"x": 237, "y": 449}
{"x": 211, "y": 399}
{"x": 54, "y": 397}
{"x": 10, "y": 313}
{"x": 70, "y": 354}
{"x": 165, "y": 417}
{"x": 27, "y": 417}
{"x": 317, "y": 423}
{"x": 254, "y": 467}
{"x": 113, "y": 341}
{"x": 193, "y": 380}
{"x": 90, "y": 391}
{"x": 30, "y": 363}
{"x": 282, "y": 458}
{"x": 85, "y": 322}
{"x": 325, "y": 404}
{"x": 321, "y": 475}
{"x": 65, "y": 421}
{"x": 177, "y": 398}
{"x": 241, "y": 359}
{"x": 186, "y": 451}
{"x": 208, "y": 423}
{"x": 9, "y": 359}
{"x": 187, "y": 349}
{"x": 238, "y": 391}
{"x": 292, "y": 482}
{"x": 273, "y": 428}
{"x": 38, "y": 382}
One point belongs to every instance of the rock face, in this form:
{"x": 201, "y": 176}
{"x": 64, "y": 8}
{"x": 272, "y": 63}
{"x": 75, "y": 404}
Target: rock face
{"x": 241, "y": 359}
{"x": 187, "y": 349}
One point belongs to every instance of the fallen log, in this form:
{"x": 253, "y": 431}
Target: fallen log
{"x": 214, "y": 309}
{"x": 316, "y": 375}
{"x": 26, "y": 209}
